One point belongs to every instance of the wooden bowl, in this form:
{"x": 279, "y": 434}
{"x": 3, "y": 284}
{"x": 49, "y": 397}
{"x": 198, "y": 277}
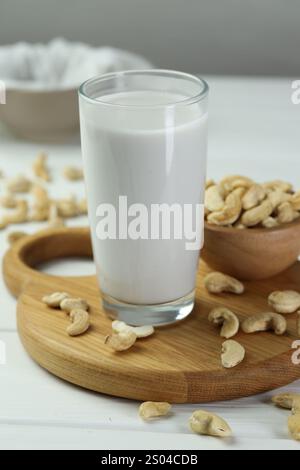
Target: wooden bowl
{"x": 252, "y": 254}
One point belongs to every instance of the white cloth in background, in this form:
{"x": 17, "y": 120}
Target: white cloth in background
{"x": 61, "y": 63}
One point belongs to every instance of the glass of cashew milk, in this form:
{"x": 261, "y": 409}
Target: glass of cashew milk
{"x": 143, "y": 136}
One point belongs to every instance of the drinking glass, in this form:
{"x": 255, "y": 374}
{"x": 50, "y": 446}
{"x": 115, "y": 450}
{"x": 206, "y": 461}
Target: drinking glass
{"x": 143, "y": 136}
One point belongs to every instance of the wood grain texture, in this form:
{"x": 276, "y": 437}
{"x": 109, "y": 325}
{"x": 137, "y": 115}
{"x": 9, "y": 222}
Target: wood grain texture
{"x": 179, "y": 364}
{"x": 252, "y": 254}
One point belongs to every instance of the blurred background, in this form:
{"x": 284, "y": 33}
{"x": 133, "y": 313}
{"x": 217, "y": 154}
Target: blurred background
{"x": 248, "y": 50}
{"x": 231, "y": 37}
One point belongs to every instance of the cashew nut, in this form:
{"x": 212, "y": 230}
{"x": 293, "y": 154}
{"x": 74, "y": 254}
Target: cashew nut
{"x": 253, "y": 197}
{"x": 286, "y": 213}
{"x": 227, "y": 319}
{"x": 295, "y": 201}
{"x": 153, "y": 409}
{"x": 54, "y": 221}
{"x": 216, "y": 283}
{"x": 240, "y": 192}
{"x": 298, "y": 324}
{"x": 8, "y": 201}
{"x": 140, "y": 331}
{"x": 41, "y": 205}
{"x": 277, "y": 197}
{"x": 256, "y": 215}
{"x": 209, "y": 424}
{"x": 290, "y": 401}
{"x": 19, "y": 184}
{"x": 230, "y": 212}
{"x": 294, "y": 426}
{"x": 270, "y": 222}
{"x": 71, "y": 303}
{"x": 13, "y": 237}
{"x": 72, "y": 173}
{"x": 239, "y": 226}
{"x": 40, "y": 194}
{"x": 121, "y": 341}
{"x": 67, "y": 207}
{"x": 265, "y": 322}
{"x": 80, "y": 322}
{"x": 39, "y": 214}
{"x": 40, "y": 168}
{"x": 213, "y": 200}
{"x": 283, "y": 186}
{"x": 209, "y": 183}
{"x": 296, "y": 406}
{"x": 54, "y": 300}
{"x": 19, "y": 215}
{"x": 287, "y": 400}
{"x": 82, "y": 207}
{"x": 233, "y": 354}
{"x": 284, "y": 301}
{"x": 231, "y": 182}
{"x": 3, "y": 224}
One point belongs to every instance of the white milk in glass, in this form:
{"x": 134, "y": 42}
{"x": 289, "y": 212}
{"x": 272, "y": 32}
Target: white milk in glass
{"x": 152, "y": 155}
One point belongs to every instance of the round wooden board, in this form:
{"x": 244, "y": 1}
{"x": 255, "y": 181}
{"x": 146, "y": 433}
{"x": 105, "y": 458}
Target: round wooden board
{"x": 179, "y": 364}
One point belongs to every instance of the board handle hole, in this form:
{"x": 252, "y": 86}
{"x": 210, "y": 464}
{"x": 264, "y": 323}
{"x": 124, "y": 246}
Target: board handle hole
{"x": 69, "y": 267}
{"x": 56, "y": 246}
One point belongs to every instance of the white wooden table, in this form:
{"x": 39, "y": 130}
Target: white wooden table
{"x": 255, "y": 130}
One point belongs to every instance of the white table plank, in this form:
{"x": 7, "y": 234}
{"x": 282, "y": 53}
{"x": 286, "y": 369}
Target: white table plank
{"x": 30, "y": 395}
{"x": 29, "y": 437}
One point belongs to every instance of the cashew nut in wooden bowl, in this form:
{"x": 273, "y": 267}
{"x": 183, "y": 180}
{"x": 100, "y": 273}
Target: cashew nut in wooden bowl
{"x": 251, "y": 254}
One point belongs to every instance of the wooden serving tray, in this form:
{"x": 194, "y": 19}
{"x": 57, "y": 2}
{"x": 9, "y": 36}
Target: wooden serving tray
{"x": 179, "y": 364}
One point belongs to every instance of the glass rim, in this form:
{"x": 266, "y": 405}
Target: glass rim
{"x": 159, "y": 72}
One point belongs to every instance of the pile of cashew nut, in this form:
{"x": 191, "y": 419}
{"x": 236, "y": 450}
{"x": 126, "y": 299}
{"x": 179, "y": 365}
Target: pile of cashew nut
{"x": 124, "y": 336}
{"x": 201, "y": 422}
{"x": 282, "y": 302}
{"x": 233, "y": 353}
{"x": 76, "y": 308}
{"x": 209, "y": 424}
{"x": 238, "y": 201}
{"x": 17, "y": 208}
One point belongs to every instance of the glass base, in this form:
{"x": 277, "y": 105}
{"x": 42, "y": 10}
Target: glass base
{"x": 156, "y": 315}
